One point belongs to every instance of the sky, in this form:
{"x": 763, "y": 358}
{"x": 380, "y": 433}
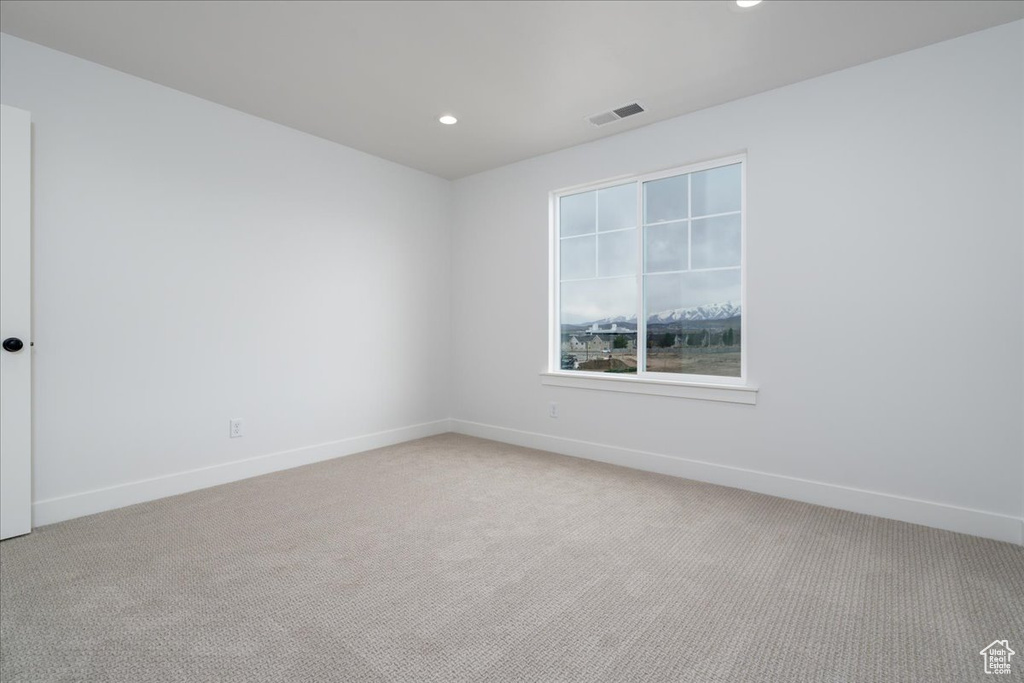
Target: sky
{"x": 598, "y": 246}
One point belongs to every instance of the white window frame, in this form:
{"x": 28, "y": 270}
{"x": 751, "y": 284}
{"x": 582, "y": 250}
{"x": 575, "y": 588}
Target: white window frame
{"x": 708, "y": 387}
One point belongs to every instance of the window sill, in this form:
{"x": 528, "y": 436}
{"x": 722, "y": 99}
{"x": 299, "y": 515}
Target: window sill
{"x": 727, "y": 393}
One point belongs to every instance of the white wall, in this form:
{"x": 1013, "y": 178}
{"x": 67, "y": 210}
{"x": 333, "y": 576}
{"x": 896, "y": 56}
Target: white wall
{"x": 885, "y": 223}
{"x": 195, "y": 264}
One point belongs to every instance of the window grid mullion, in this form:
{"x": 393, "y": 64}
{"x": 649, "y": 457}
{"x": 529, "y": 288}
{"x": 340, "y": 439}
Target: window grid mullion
{"x": 689, "y": 221}
{"x": 591, "y": 234}
{"x": 641, "y": 313}
{"x": 693, "y": 270}
{"x": 597, "y": 242}
{"x": 696, "y": 218}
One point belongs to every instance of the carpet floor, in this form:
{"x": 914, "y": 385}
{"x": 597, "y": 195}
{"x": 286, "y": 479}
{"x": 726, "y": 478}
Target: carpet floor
{"x": 458, "y": 559}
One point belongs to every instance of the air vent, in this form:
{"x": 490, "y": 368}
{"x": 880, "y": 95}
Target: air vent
{"x": 615, "y": 114}
{"x": 628, "y": 110}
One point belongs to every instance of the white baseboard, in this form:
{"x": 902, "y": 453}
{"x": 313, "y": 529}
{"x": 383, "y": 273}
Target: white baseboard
{"x": 964, "y": 520}
{"x": 938, "y": 515}
{"x": 90, "y": 502}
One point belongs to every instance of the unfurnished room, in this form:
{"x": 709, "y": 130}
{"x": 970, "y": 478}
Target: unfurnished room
{"x": 498, "y": 341}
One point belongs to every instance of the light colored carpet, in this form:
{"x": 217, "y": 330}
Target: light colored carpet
{"x": 458, "y": 559}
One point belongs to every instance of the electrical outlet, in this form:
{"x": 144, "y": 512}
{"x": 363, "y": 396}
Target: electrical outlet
{"x": 553, "y": 410}
{"x": 236, "y": 428}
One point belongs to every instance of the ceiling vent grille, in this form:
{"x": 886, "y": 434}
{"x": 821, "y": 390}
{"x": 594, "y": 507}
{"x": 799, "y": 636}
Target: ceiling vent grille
{"x": 607, "y": 117}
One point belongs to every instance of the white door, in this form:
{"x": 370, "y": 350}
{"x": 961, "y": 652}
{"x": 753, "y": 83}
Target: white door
{"x": 15, "y": 322}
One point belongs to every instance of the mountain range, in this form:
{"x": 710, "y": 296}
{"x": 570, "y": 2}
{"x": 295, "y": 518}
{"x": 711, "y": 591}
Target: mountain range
{"x": 719, "y": 311}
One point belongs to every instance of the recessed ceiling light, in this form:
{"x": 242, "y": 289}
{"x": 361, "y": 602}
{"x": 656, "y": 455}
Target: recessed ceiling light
{"x": 448, "y": 120}
{"x": 747, "y": 4}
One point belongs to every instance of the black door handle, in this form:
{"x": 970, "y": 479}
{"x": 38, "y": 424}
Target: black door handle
{"x": 13, "y": 344}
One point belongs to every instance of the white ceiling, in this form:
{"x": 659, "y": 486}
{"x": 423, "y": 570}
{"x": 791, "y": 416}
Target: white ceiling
{"x": 520, "y": 76}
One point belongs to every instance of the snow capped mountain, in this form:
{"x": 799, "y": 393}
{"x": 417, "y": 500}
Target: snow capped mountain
{"x": 719, "y": 311}
{"x": 617, "y": 320}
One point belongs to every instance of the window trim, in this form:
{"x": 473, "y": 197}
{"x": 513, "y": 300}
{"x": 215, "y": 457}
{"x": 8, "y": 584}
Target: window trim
{"x": 733, "y": 389}
{"x": 725, "y": 393}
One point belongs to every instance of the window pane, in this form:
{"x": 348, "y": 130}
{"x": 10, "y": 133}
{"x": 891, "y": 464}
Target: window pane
{"x": 690, "y": 255}
{"x": 665, "y": 247}
{"x": 577, "y": 258}
{"x": 716, "y": 242}
{"x": 577, "y": 214}
{"x": 616, "y": 207}
{"x": 665, "y": 199}
{"x": 693, "y": 323}
{"x": 598, "y": 325}
{"x": 616, "y": 253}
{"x": 716, "y": 190}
